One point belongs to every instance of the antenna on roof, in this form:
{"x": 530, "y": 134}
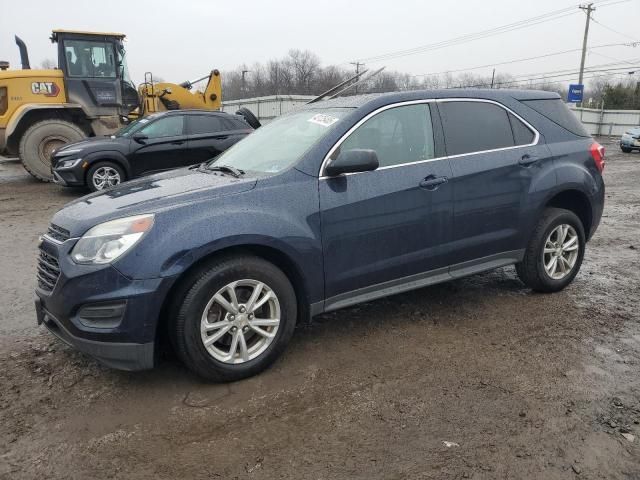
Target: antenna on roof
{"x": 369, "y": 77}
{"x": 337, "y": 87}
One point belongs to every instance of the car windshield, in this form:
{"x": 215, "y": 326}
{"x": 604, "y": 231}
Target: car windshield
{"x": 133, "y": 127}
{"x": 278, "y": 145}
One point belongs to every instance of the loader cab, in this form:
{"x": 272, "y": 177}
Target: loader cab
{"x": 96, "y": 74}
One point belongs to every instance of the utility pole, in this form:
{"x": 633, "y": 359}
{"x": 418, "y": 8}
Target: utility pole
{"x": 493, "y": 76}
{"x": 244, "y": 72}
{"x": 588, "y": 8}
{"x": 357, "y": 65}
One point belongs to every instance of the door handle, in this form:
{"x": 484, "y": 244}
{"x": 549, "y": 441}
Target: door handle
{"x": 177, "y": 142}
{"x": 432, "y": 182}
{"x": 527, "y": 160}
{"x": 221, "y": 137}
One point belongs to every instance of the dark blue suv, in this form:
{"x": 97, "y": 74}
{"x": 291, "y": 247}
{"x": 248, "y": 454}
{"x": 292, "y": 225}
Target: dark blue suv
{"x": 340, "y": 202}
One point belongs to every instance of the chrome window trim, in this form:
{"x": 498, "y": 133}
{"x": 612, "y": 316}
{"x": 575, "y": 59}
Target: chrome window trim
{"x": 327, "y": 157}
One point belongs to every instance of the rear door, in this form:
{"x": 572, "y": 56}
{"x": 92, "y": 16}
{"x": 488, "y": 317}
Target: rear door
{"x": 209, "y": 135}
{"x": 494, "y": 156}
{"x": 382, "y": 228}
{"x": 163, "y": 149}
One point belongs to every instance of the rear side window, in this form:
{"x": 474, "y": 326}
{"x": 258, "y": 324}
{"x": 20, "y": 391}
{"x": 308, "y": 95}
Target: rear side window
{"x": 558, "y": 113}
{"x": 200, "y": 124}
{"x": 398, "y": 135}
{"x": 171, "y": 126}
{"x": 521, "y": 133}
{"x": 235, "y": 124}
{"x": 475, "y": 127}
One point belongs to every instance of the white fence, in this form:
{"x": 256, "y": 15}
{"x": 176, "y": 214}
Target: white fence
{"x": 267, "y": 108}
{"x": 607, "y": 122}
{"x": 596, "y": 121}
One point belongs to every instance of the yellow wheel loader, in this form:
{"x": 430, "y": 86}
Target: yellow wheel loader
{"x": 89, "y": 94}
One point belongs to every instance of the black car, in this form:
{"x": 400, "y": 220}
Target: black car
{"x": 158, "y": 142}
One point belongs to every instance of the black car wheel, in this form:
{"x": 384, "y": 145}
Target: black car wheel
{"x": 104, "y": 175}
{"x": 233, "y": 318}
{"x": 554, "y": 254}
{"x": 626, "y": 149}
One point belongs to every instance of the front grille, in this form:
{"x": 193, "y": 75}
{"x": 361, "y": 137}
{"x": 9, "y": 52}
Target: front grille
{"x": 58, "y": 233}
{"x": 48, "y": 271}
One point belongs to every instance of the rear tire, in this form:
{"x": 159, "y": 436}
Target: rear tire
{"x": 203, "y": 330}
{"x": 555, "y": 252}
{"x": 104, "y": 175}
{"x": 40, "y": 140}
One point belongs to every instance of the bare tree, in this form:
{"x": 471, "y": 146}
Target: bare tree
{"x": 48, "y": 64}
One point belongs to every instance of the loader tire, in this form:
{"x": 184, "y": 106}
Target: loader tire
{"x": 40, "y": 140}
{"x": 249, "y": 117}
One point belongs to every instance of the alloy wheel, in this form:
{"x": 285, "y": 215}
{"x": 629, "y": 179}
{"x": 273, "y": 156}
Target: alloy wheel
{"x": 240, "y": 321}
{"x": 561, "y": 251}
{"x": 105, "y": 177}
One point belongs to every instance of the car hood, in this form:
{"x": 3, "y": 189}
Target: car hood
{"x": 151, "y": 194}
{"x": 92, "y": 144}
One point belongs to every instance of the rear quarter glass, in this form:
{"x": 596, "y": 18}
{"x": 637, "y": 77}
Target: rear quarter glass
{"x": 556, "y": 111}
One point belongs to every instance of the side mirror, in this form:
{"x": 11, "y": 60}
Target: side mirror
{"x": 139, "y": 137}
{"x": 351, "y": 161}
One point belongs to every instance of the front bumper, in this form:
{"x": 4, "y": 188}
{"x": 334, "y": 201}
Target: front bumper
{"x": 68, "y": 177}
{"x": 101, "y": 312}
{"x": 122, "y": 356}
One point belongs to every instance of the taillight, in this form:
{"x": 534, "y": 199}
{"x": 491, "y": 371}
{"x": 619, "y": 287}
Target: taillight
{"x": 597, "y": 152}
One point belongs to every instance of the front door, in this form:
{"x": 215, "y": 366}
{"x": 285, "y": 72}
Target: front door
{"x": 164, "y": 148}
{"x": 382, "y": 231}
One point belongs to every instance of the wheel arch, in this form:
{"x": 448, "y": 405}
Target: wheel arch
{"x": 112, "y": 156}
{"x": 27, "y": 115}
{"x": 577, "y": 202}
{"x": 276, "y": 256}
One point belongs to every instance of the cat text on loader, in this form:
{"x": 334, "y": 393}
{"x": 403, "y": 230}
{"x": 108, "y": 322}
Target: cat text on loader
{"x": 89, "y": 94}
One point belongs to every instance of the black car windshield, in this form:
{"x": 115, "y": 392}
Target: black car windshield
{"x": 276, "y": 146}
{"x": 133, "y": 127}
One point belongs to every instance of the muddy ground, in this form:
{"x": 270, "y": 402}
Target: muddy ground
{"x": 524, "y": 385}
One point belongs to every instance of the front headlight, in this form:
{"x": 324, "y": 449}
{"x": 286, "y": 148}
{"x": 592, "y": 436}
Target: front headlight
{"x": 108, "y": 241}
{"x": 68, "y": 163}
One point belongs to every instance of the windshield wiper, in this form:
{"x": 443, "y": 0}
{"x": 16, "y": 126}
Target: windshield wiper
{"x": 236, "y": 172}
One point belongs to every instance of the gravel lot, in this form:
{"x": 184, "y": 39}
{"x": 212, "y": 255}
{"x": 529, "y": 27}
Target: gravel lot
{"x": 523, "y": 385}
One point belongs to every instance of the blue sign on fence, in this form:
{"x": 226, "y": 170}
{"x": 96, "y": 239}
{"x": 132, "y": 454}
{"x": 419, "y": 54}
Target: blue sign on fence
{"x": 575, "y": 93}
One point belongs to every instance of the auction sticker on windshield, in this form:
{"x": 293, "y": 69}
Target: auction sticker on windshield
{"x": 322, "y": 119}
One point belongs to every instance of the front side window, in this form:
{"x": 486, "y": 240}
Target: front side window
{"x": 398, "y": 135}
{"x": 90, "y": 58}
{"x": 171, "y": 126}
{"x": 475, "y": 127}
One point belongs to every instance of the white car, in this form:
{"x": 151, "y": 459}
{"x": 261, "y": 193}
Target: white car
{"x": 630, "y": 140}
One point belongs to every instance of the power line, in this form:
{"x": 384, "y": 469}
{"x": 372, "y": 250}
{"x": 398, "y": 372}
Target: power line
{"x": 556, "y": 78}
{"x": 554, "y": 15}
{"x": 518, "y": 60}
{"x": 613, "y": 30}
{"x": 546, "y": 17}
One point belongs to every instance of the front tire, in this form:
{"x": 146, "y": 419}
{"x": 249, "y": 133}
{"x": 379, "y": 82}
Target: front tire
{"x": 103, "y": 175}
{"x": 235, "y": 318}
{"x": 40, "y": 140}
{"x": 555, "y": 252}
{"x": 626, "y": 149}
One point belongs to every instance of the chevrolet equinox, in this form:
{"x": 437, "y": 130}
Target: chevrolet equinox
{"x": 340, "y": 202}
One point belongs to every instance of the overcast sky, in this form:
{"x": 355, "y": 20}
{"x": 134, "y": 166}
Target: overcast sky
{"x": 185, "y": 40}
